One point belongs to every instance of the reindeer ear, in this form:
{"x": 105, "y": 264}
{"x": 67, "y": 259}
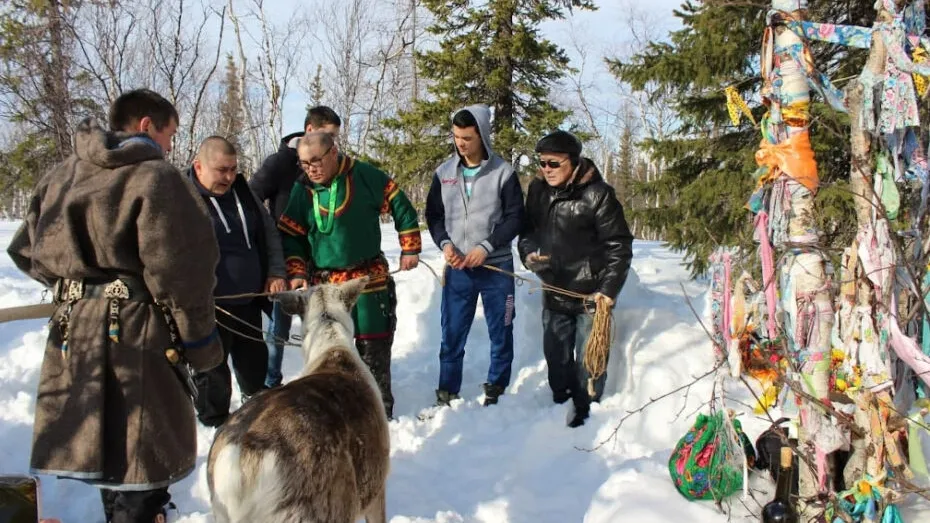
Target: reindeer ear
{"x": 351, "y": 290}
{"x": 293, "y": 302}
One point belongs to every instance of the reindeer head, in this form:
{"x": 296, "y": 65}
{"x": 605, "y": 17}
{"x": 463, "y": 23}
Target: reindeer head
{"x": 325, "y": 310}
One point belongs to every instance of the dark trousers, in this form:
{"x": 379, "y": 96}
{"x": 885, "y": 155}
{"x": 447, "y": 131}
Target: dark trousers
{"x": 249, "y": 361}
{"x": 122, "y": 506}
{"x": 457, "y": 311}
{"x": 376, "y": 353}
{"x": 564, "y": 337}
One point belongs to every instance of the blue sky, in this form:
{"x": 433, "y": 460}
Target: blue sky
{"x": 600, "y": 32}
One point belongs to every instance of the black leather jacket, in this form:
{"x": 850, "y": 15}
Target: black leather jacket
{"x": 582, "y": 228}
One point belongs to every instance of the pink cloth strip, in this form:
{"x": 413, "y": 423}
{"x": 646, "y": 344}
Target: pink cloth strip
{"x": 768, "y": 270}
{"x": 727, "y": 309}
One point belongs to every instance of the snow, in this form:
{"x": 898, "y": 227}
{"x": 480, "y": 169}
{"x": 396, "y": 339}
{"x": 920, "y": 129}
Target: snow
{"x": 510, "y": 463}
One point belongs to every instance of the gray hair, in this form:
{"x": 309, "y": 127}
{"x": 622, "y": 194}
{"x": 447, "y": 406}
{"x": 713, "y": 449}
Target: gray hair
{"x": 323, "y": 139}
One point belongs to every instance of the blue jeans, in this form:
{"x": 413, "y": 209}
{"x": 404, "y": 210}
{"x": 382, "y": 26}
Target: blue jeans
{"x": 459, "y": 300}
{"x": 564, "y": 337}
{"x": 280, "y": 332}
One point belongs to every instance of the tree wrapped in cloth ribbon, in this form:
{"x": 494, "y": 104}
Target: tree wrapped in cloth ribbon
{"x": 844, "y": 356}
{"x": 784, "y": 222}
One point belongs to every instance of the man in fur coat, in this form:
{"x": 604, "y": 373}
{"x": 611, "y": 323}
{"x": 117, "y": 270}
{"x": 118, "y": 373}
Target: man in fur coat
{"x": 125, "y": 242}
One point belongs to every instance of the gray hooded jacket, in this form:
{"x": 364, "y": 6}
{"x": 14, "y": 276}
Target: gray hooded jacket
{"x": 492, "y": 217}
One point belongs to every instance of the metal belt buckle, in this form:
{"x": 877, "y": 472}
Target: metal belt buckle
{"x": 116, "y": 289}
{"x": 75, "y": 290}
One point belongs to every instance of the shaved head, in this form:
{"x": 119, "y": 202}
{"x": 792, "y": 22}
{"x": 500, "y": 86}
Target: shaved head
{"x": 216, "y": 164}
{"x": 215, "y": 145}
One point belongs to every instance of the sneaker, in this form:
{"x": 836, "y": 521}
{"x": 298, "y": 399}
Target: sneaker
{"x": 492, "y": 393}
{"x": 443, "y": 398}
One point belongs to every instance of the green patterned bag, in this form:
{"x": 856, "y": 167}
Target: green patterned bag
{"x": 708, "y": 461}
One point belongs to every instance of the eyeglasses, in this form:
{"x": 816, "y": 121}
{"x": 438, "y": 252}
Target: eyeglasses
{"x": 552, "y": 164}
{"x": 315, "y": 163}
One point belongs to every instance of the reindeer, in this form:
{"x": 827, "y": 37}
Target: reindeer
{"x": 317, "y": 449}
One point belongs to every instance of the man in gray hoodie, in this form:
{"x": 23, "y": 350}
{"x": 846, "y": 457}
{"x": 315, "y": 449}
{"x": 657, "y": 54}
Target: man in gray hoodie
{"x": 474, "y": 210}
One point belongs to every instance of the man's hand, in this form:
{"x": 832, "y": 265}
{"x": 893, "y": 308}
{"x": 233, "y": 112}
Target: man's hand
{"x": 536, "y": 262}
{"x": 599, "y": 297}
{"x": 453, "y": 257}
{"x": 409, "y": 261}
{"x": 298, "y": 283}
{"x": 475, "y": 257}
{"x": 275, "y": 285}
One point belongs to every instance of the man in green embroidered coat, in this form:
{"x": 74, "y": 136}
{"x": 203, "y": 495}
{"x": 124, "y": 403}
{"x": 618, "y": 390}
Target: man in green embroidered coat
{"x": 332, "y": 234}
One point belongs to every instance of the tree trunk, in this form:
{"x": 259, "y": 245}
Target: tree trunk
{"x": 807, "y": 301}
{"x": 504, "y": 103}
{"x": 243, "y": 90}
{"x": 55, "y": 75}
{"x": 860, "y": 175}
{"x": 414, "y": 4}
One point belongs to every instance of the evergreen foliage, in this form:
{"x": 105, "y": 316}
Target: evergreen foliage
{"x": 317, "y": 92}
{"x": 231, "y": 124}
{"x": 39, "y": 90}
{"x": 489, "y": 52}
{"x": 709, "y": 163}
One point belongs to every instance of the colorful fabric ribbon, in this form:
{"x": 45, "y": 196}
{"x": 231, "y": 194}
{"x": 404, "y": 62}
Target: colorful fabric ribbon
{"x": 845, "y": 35}
{"x": 863, "y": 500}
{"x": 737, "y": 106}
{"x": 768, "y": 271}
{"x": 793, "y": 157}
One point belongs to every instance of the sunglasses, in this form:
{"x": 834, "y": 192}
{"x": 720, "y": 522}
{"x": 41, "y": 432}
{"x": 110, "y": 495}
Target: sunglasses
{"x": 552, "y": 164}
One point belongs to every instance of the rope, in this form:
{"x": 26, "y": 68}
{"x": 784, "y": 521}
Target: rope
{"x": 597, "y": 347}
{"x": 242, "y": 334}
{"x": 543, "y": 285}
{"x": 253, "y": 327}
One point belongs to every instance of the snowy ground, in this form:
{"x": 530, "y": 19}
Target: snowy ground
{"x": 511, "y": 463}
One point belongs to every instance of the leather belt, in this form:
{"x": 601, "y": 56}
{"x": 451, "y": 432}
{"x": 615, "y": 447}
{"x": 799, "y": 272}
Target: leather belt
{"x": 122, "y": 288}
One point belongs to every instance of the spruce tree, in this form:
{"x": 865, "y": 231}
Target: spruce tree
{"x": 625, "y": 161}
{"x": 231, "y": 124}
{"x": 709, "y": 163}
{"x": 36, "y": 86}
{"x": 316, "y": 88}
{"x": 489, "y": 52}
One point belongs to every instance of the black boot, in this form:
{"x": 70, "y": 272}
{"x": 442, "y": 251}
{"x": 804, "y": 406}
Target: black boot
{"x": 376, "y": 353}
{"x": 578, "y": 419}
{"x": 581, "y": 412}
{"x": 492, "y": 393}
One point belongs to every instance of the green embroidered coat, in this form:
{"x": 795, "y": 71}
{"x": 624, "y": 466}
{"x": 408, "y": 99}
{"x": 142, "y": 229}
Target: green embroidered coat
{"x": 337, "y": 237}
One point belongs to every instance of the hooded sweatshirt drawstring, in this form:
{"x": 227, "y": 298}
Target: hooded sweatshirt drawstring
{"x": 219, "y": 212}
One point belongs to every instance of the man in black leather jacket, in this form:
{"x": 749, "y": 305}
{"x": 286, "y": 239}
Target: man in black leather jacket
{"x": 574, "y": 237}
